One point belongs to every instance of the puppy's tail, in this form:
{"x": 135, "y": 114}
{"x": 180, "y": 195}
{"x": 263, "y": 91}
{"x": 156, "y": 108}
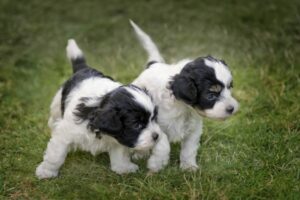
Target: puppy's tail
{"x": 147, "y": 43}
{"x": 76, "y": 56}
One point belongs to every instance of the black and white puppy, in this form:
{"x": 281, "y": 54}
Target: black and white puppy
{"x": 96, "y": 114}
{"x": 184, "y": 92}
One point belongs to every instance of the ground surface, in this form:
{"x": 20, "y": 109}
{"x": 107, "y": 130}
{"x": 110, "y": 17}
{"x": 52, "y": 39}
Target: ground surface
{"x": 254, "y": 155}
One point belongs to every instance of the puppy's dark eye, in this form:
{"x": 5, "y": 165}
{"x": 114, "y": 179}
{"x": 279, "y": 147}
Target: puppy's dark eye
{"x": 212, "y": 96}
{"x": 215, "y": 88}
{"x": 138, "y": 125}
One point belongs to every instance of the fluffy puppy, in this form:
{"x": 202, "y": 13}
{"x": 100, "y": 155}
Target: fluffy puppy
{"x": 186, "y": 91}
{"x": 96, "y": 114}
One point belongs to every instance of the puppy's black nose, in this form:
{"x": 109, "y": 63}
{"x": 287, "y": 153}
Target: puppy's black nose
{"x": 230, "y": 109}
{"x": 155, "y": 136}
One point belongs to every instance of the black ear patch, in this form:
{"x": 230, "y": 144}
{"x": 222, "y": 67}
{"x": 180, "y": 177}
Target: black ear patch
{"x": 100, "y": 119}
{"x": 105, "y": 120}
{"x": 184, "y": 89}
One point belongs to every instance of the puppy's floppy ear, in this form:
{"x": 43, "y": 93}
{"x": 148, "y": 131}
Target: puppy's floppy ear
{"x": 106, "y": 120}
{"x": 184, "y": 89}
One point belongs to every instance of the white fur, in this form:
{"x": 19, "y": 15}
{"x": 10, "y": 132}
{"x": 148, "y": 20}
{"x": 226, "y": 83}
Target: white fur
{"x": 55, "y": 110}
{"x": 160, "y": 154}
{"x": 222, "y": 74}
{"x": 68, "y": 134}
{"x": 73, "y": 50}
{"x": 178, "y": 120}
{"x": 147, "y": 43}
{"x": 141, "y": 98}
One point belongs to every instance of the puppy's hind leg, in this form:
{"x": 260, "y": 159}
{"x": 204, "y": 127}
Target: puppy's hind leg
{"x": 55, "y": 110}
{"x": 120, "y": 161}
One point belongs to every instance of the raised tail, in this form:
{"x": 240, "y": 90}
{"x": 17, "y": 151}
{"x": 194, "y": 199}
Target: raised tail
{"x": 75, "y": 56}
{"x": 147, "y": 43}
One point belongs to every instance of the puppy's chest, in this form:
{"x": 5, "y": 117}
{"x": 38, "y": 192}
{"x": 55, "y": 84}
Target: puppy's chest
{"x": 177, "y": 127}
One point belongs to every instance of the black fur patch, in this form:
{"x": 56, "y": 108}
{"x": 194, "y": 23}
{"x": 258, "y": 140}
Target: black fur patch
{"x": 192, "y": 84}
{"x": 78, "y": 77}
{"x": 117, "y": 115}
{"x": 154, "y": 117}
{"x": 78, "y": 64}
{"x": 83, "y": 111}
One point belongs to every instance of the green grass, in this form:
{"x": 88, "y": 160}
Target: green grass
{"x": 253, "y": 155}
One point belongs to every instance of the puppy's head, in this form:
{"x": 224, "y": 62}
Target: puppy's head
{"x": 127, "y": 114}
{"x": 206, "y": 84}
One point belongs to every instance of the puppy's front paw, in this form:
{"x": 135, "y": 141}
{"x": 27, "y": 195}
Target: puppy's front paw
{"x": 189, "y": 167}
{"x": 42, "y": 172}
{"x": 155, "y": 164}
{"x": 125, "y": 169}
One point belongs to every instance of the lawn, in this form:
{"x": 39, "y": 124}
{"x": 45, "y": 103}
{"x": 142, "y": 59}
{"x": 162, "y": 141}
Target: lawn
{"x": 253, "y": 155}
